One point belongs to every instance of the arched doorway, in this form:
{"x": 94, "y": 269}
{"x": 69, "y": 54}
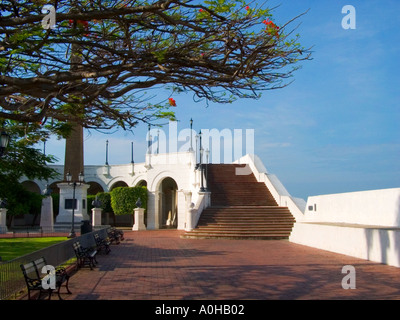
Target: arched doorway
{"x": 118, "y": 184}
{"x": 94, "y": 188}
{"x": 31, "y": 186}
{"x": 142, "y": 183}
{"x": 168, "y": 208}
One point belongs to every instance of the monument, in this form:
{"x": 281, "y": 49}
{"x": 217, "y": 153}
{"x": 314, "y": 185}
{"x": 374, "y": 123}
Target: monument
{"x": 73, "y": 196}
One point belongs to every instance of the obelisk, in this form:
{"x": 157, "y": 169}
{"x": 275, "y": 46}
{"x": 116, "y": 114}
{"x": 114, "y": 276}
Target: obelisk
{"x": 73, "y": 164}
{"x": 74, "y": 153}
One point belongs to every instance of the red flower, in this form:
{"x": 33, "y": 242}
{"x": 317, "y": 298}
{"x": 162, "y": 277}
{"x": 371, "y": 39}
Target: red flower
{"x": 247, "y": 8}
{"x": 172, "y": 102}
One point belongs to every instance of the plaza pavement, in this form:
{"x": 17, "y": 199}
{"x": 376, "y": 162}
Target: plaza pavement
{"x": 159, "y": 265}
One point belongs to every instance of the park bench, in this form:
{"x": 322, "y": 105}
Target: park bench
{"x": 102, "y": 244}
{"x": 115, "y": 235}
{"x": 32, "y": 273}
{"x": 85, "y": 256}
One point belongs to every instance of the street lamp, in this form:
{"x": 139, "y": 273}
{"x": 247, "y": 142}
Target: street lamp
{"x": 202, "y": 189}
{"x": 207, "y": 155}
{"x": 74, "y": 184}
{"x": 191, "y": 127}
{"x": 4, "y": 139}
{"x": 107, "y": 153}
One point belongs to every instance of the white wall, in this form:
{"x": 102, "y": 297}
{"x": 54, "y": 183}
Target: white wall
{"x": 364, "y": 224}
{"x": 380, "y": 245}
{"x": 374, "y": 207}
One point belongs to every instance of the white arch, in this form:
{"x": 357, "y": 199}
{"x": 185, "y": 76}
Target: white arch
{"x": 115, "y": 180}
{"x": 156, "y": 181}
{"x": 99, "y": 181}
{"x": 142, "y": 177}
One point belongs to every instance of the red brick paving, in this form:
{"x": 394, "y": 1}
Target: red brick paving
{"x": 159, "y": 265}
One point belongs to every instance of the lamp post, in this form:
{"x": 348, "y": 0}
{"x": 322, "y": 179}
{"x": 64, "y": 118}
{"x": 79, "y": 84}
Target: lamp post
{"x": 191, "y": 127}
{"x": 202, "y": 189}
{"x": 74, "y": 184}
{"x": 107, "y": 153}
{"x": 197, "y": 140}
{"x": 149, "y": 141}
{"x": 132, "y": 161}
{"x": 207, "y": 155}
{"x": 4, "y": 139}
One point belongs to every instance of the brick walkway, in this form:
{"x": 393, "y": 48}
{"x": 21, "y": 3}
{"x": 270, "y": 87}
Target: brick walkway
{"x": 159, "y": 265}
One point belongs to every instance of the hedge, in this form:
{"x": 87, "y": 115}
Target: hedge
{"x": 123, "y": 199}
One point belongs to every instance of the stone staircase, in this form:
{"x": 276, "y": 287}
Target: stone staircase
{"x": 241, "y": 208}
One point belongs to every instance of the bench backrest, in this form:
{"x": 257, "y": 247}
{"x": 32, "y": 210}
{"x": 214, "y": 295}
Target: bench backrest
{"x": 29, "y": 270}
{"x": 39, "y": 263}
{"x": 77, "y": 246}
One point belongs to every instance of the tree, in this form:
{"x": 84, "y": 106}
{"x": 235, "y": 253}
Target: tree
{"x": 23, "y": 159}
{"x": 97, "y": 66}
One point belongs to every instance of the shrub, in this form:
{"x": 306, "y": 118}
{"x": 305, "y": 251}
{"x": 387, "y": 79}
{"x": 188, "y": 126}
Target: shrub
{"x": 90, "y": 198}
{"x": 123, "y": 199}
{"x": 105, "y": 199}
{"x": 22, "y": 201}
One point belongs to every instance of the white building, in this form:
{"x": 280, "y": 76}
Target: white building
{"x": 361, "y": 224}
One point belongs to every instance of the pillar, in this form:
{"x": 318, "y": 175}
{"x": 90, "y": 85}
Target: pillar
{"x": 96, "y": 217}
{"x": 46, "y": 215}
{"x": 139, "y": 220}
{"x": 3, "y": 220}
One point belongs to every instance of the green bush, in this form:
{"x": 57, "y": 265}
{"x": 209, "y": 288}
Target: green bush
{"x": 105, "y": 199}
{"x": 123, "y": 199}
{"x": 90, "y": 198}
{"x": 21, "y": 201}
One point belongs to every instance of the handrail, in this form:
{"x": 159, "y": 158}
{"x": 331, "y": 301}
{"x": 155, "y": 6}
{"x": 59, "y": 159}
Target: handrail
{"x": 203, "y": 201}
{"x": 281, "y": 195}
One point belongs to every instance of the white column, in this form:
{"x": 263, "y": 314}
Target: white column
{"x": 3, "y": 220}
{"x": 152, "y": 209}
{"x": 139, "y": 220}
{"x": 46, "y": 215}
{"x": 96, "y": 217}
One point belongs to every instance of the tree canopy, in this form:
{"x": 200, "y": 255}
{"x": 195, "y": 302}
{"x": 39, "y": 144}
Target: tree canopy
{"x": 98, "y": 64}
{"x": 23, "y": 159}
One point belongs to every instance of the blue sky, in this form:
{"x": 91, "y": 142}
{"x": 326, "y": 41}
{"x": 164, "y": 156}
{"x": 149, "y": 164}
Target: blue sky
{"x": 334, "y": 129}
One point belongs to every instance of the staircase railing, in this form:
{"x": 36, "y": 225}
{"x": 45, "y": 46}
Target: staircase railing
{"x": 194, "y": 213}
{"x": 281, "y": 195}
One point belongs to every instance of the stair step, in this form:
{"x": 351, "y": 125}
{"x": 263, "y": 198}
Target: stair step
{"x": 242, "y": 208}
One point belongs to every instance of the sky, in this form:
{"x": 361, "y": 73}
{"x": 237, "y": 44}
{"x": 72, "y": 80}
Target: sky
{"x": 334, "y": 129}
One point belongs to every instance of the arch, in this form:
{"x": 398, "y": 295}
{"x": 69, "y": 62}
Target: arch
{"x": 142, "y": 183}
{"x": 154, "y": 184}
{"x": 94, "y": 188}
{"x": 54, "y": 188}
{"x": 31, "y": 186}
{"x": 167, "y": 214}
{"x": 117, "y": 184}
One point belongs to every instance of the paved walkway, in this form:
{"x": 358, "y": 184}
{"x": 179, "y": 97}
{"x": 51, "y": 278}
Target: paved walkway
{"x": 158, "y": 265}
